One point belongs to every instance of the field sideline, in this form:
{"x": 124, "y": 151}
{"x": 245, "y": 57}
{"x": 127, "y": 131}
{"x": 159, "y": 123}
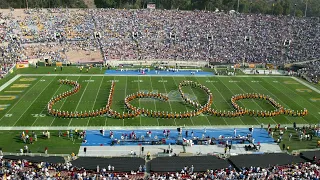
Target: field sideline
{"x": 23, "y": 101}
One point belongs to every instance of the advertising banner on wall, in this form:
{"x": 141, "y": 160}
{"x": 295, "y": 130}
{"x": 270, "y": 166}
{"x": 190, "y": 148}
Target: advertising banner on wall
{"x": 22, "y": 64}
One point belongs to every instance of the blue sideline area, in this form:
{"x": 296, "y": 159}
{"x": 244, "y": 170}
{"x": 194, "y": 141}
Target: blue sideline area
{"x": 159, "y": 73}
{"x": 95, "y": 138}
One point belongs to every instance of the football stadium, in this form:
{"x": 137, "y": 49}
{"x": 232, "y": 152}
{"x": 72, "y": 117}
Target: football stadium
{"x": 159, "y": 90}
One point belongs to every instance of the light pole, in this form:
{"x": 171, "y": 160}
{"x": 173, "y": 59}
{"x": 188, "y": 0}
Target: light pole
{"x": 238, "y": 6}
{"x": 27, "y": 3}
{"x": 305, "y": 10}
{"x": 295, "y": 6}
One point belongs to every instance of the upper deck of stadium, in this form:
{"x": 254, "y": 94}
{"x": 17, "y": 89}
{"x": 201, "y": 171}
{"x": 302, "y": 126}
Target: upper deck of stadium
{"x": 112, "y": 34}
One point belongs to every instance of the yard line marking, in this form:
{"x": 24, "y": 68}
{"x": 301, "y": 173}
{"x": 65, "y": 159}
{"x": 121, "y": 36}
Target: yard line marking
{"x": 256, "y": 102}
{"x": 9, "y": 82}
{"x": 125, "y": 95}
{"x": 80, "y": 99}
{"x": 175, "y": 123}
{"x": 105, "y": 122}
{"x": 184, "y": 106}
{"x": 22, "y": 97}
{"x": 223, "y": 97}
{"x": 139, "y": 101}
{"x": 155, "y": 106}
{"x": 33, "y": 101}
{"x": 96, "y": 99}
{"x": 62, "y": 105}
{"x": 46, "y": 106}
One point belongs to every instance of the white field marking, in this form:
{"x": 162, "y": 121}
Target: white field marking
{"x": 80, "y": 100}
{"x": 285, "y": 95}
{"x": 61, "y": 106}
{"x": 155, "y": 106}
{"x": 275, "y": 81}
{"x": 233, "y": 81}
{"x": 8, "y": 83}
{"x": 8, "y": 115}
{"x": 125, "y": 95}
{"x": 255, "y": 81}
{"x": 46, "y": 106}
{"x": 137, "y": 81}
{"x": 21, "y": 96}
{"x": 181, "y": 99}
{"x": 162, "y": 81}
{"x": 209, "y": 81}
{"x": 88, "y": 80}
{"x": 38, "y": 115}
{"x": 115, "y": 80}
{"x": 96, "y": 98}
{"x": 42, "y": 80}
{"x": 307, "y": 85}
{"x": 139, "y": 101}
{"x": 256, "y": 102}
{"x": 33, "y": 101}
{"x": 175, "y": 123}
{"x": 105, "y": 122}
{"x": 229, "y": 104}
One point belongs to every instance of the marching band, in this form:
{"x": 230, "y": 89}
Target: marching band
{"x": 199, "y": 109}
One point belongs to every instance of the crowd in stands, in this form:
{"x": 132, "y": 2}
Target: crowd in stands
{"x": 198, "y": 35}
{"x": 161, "y": 34}
{"x": 293, "y": 171}
{"x": 23, "y": 169}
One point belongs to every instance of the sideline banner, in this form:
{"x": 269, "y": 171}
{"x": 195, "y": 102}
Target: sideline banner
{"x": 22, "y": 64}
{"x": 58, "y": 64}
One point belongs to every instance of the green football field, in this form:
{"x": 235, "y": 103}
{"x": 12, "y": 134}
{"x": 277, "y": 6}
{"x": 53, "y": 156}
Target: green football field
{"x": 23, "y": 102}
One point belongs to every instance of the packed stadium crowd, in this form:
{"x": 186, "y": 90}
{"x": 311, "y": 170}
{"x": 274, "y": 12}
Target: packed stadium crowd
{"x": 293, "y": 171}
{"x": 161, "y": 34}
{"x": 23, "y": 169}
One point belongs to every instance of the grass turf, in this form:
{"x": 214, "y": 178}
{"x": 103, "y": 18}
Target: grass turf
{"x": 295, "y": 143}
{"x": 11, "y": 142}
{"x": 28, "y": 107}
